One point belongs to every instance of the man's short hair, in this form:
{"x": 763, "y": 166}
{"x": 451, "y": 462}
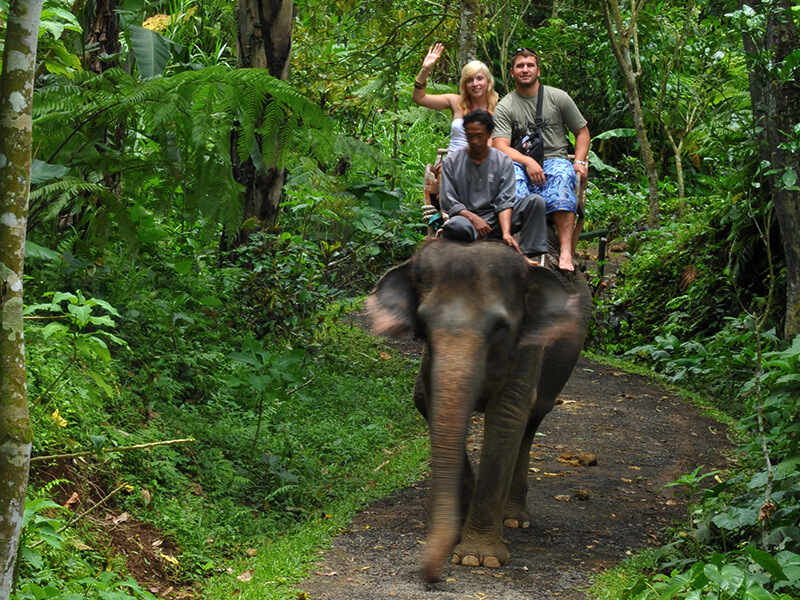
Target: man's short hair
{"x": 484, "y": 117}
{"x": 524, "y": 52}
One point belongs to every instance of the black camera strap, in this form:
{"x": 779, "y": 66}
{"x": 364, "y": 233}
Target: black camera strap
{"x": 537, "y": 120}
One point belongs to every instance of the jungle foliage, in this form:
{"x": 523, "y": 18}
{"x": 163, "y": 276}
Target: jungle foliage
{"x": 142, "y": 329}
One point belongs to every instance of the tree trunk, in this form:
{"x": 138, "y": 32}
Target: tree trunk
{"x": 776, "y": 106}
{"x": 468, "y": 32}
{"x": 103, "y": 37}
{"x": 16, "y": 99}
{"x": 677, "y": 153}
{"x": 620, "y": 36}
{"x": 264, "y": 42}
{"x": 681, "y": 183}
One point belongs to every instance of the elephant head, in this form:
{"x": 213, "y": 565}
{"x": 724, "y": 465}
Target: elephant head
{"x": 478, "y": 307}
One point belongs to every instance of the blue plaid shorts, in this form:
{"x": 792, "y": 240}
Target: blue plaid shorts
{"x": 559, "y": 184}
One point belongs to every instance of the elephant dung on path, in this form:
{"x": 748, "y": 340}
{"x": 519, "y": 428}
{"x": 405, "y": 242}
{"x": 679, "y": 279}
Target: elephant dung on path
{"x": 500, "y": 337}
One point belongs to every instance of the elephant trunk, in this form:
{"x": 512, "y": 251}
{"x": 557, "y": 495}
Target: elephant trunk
{"x": 456, "y": 379}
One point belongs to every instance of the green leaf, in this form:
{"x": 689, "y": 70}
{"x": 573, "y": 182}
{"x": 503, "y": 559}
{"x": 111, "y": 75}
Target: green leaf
{"x": 729, "y": 578}
{"x": 32, "y": 507}
{"x": 787, "y": 468}
{"x": 612, "y": 133}
{"x": 104, "y": 304}
{"x": 82, "y": 313}
{"x": 789, "y": 177}
{"x": 33, "y": 250}
{"x": 247, "y": 359}
{"x": 57, "y": 329}
{"x": 98, "y": 442}
{"x": 260, "y": 382}
{"x": 210, "y": 301}
{"x": 70, "y": 21}
{"x": 184, "y": 267}
{"x": 31, "y": 556}
{"x": 93, "y": 347}
{"x": 103, "y": 320}
{"x": 152, "y": 51}
{"x": 102, "y": 383}
{"x": 735, "y": 518}
{"x": 48, "y": 534}
{"x": 675, "y": 585}
{"x": 132, "y": 11}
{"x": 182, "y": 316}
{"x": 42, "y": 172}
{"x": 756, "y": 592}
{"x": 59, "y": 297}
{"x": 53, "y": 27}
{"x": 114, "y": 338}
{"x": 767, "y": 562}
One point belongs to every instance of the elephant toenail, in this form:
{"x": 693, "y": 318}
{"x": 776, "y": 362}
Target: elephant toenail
{"x": 491, "y": 562}
{"x": 470, "y": 561}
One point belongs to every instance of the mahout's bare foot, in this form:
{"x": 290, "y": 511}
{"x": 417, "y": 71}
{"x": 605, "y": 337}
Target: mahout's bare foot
{"x": 565, "y": 263}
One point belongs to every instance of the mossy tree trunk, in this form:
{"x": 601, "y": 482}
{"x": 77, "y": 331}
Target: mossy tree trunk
{"x": 775, "y": 98}
{"x": 264, "y": 42}
{"x": 622, "y": 35}
{"x": 468, "y": 32}
{"x": 16, "y": 99}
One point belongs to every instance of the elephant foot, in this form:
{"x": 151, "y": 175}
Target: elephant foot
{"x": 491, "y": 556}
{"x": 516, "y": 524}
{"x": 517, "y": 517}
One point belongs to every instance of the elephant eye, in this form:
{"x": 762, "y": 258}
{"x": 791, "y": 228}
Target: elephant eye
{"x": 499, "y": 331}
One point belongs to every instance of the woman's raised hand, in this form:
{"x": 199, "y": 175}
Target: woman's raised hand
{"x": 434, "y": 52}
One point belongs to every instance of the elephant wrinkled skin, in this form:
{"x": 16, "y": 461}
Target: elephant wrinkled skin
{"x": 500, "y": 337}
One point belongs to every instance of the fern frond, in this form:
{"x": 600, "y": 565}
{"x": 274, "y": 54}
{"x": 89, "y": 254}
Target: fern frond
{"x": 165, "y": 138}
{"x": 69, "y": 186}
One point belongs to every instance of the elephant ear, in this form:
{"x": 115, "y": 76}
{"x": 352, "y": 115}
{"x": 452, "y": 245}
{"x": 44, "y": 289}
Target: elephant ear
{"x": 392, "y": 305}
{"x": 551, "y": 313}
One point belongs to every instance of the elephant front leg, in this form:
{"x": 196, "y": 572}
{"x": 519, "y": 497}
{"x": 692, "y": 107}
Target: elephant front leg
{"x": 482, "y": 535}
{"x": 516, "y": 514}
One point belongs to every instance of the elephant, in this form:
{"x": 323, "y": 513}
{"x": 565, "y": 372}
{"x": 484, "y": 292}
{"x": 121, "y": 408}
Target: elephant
{"x": 501, "y": 337}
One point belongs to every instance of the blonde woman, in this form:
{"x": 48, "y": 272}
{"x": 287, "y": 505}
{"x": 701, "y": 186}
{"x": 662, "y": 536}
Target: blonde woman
{"x": 477, "y": 93}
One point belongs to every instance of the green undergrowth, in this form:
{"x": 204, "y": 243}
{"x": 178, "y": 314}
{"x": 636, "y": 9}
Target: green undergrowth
{"x": 285, "y": 559}
{"x": 740, "y": 538}
{"x": 288, "y": 444}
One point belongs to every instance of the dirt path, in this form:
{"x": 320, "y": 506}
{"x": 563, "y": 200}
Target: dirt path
{"x": 586, "y": 519}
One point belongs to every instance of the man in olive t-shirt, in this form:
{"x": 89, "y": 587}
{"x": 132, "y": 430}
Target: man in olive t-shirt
{"x": 555, "y": 178}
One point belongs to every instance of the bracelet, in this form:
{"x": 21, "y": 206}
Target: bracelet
{"x": 420, "y": 85}
{"x": 582, "y": 162}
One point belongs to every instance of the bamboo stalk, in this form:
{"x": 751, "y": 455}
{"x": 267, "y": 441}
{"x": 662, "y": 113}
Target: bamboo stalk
{"x": 120, "y": 449}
